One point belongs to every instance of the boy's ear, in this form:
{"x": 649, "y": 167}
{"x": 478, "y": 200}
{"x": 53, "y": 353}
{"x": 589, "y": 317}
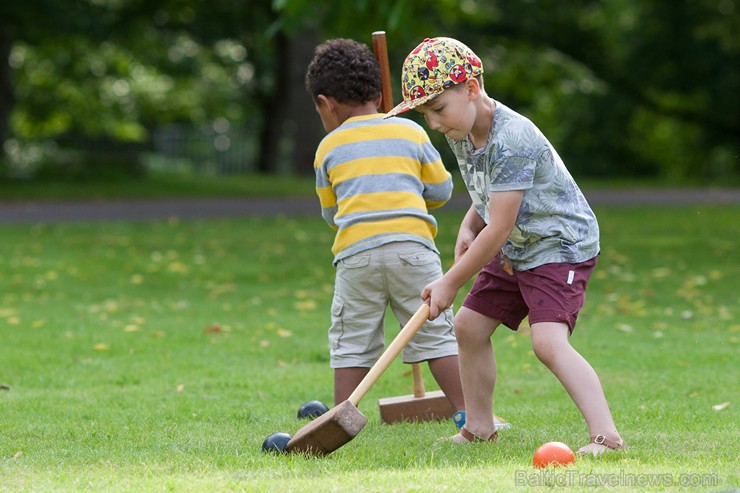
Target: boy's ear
{"x": 472, "y": 87}
{"x": 325, "y": 102}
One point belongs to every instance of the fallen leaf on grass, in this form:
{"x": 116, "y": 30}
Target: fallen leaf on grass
{"x": 662, "y": 272}
{"x": 283, "y": 333}
{"x": 307, "y": 305}
{"x": 213, "y": 329}
{"x": 264, "y": 277}
{"x": 101, "y": 347}
{"x": 720, "y": 407}
{"x": 219, "y": 290}
{"x": 625, "y": 328}
{"x": 264, "y": 343}
{"x": 181, "y": 388}
{"x": 18, "y": 455}
{"x": 178, "y": 267}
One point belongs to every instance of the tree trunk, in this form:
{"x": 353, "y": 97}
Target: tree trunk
{"x": 304, "y": 122}
{"x": 6, "y": 88}
{"x": 291, "y": 128}
{"x": 274, "y": 109}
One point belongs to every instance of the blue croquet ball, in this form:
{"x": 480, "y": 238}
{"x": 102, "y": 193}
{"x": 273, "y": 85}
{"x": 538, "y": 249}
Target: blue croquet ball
{"x": 312, "y": 410}
{"x": 276, "y": 443}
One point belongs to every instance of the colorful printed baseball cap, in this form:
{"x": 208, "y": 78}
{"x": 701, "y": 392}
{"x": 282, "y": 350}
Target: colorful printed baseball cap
{"x": 432, "y": 67}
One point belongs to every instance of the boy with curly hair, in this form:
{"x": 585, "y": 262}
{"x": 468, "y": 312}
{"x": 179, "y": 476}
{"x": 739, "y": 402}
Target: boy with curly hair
{"x": 376, "y": 179}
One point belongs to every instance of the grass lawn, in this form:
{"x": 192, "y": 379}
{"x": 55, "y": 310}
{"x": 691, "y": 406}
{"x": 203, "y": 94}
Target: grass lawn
{"x": 157, "y": 356}
{"x": 169, "y": 185}
{"x": 160, "y": 185}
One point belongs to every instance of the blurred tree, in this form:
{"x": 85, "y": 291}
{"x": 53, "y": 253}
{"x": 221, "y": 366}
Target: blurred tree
{"x": 621, "y": 87}
{"x": 6, "y": 87}
{"x": 119, "y": 68}
{"x": 640, "y": 87}
{"x": 649, "y": 87}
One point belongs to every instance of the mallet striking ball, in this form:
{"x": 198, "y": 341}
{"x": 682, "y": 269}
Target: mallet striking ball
{"x": 276, "y": 443}
{"x": 312, "y": 410}
{"x": 553, "y": 454}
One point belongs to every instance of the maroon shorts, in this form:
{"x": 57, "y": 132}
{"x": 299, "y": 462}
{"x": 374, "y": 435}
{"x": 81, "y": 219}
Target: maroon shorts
{"x": 548, "y": 293}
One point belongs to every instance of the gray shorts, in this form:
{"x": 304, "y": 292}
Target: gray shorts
{"x": 366, "y": 284}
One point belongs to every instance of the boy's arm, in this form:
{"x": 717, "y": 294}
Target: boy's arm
{"x": 471, "y": 225}
{"x": 436, "y": 179}
{"x": 503, "y": 211}
{"x": 327, "y": 197}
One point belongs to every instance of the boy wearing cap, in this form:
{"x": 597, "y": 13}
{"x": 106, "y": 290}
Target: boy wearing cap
{"x": 529, "y": 234}
{"x": 376, "y": 179}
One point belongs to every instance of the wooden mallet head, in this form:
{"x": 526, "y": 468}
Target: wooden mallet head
{"x": 342, "y": 423}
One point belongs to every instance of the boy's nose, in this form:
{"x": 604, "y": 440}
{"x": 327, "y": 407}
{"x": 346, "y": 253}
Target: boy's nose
{"x": 433, "y": 124}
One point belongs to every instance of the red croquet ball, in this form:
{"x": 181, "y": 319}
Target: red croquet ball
{"x": 553, "y": 454}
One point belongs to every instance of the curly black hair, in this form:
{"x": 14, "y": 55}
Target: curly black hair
{"x": 344, "y": 70}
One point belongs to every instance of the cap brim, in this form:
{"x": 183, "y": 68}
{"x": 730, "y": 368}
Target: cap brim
{"x": 410, "y": 105}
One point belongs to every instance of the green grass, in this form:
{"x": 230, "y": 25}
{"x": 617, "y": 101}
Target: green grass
{"x": 151, "y": 356}
{"x": 160, "y": 185}
{"x": 165, "y": 185}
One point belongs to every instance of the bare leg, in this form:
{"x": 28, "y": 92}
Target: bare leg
{"x": 346, "y": 381}
{"x": 447, "y": 374}
{"x": 477, "y": 370}
{"x": 551, "y": 345}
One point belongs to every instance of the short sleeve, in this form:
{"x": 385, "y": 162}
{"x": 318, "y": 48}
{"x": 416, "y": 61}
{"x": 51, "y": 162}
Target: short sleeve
{"x": 513, "y": 173}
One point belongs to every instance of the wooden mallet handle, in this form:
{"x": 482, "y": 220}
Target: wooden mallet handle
{"x": 393, "y": 350}
{"x": 380, "y": 48}
{"x": 419, "y": 390}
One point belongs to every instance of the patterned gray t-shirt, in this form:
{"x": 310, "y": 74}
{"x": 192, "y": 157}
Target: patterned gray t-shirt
{"x": 555, "y": 223}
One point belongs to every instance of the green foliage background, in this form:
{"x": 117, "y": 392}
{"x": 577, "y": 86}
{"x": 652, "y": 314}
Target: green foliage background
{"x": 621, "y": 87}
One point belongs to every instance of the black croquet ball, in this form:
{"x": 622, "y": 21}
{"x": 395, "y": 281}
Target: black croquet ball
{"x": 312, "y": 410}
{"x": 276, "y": 443}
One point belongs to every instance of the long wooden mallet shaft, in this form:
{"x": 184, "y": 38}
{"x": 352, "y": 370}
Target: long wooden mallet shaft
{"x": 380, "y": 48}
{"x": 419, "y": 390}
{"x": 393, "y": 350}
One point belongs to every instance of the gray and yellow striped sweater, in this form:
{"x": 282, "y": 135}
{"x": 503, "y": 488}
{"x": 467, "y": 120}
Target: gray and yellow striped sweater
{"x": 376, "y": 180}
